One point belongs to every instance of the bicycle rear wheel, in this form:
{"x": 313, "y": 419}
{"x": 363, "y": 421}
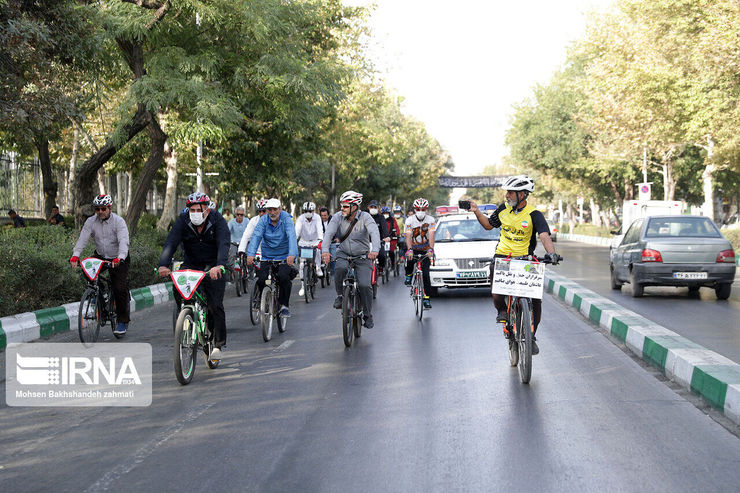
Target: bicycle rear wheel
{"x": 356, "y": 314}
{"x": 347, "y": 319}
{"x": 267, "y": 311}
{"x": 238, "y": 282}
{"x": 524, "y": 336}
{"x": 306, "y": 282}
{"x": 254, "y": 303}
{"x": 185, "y": 347}
{"x": 88, "y": 318}
{"x": 419, "y": 295}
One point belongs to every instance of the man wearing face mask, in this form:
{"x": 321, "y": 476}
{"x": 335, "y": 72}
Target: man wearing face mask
{"x": 373, "y": 209}
{"x": 309, "y": 231}
{"x": 392, "y": 227}
{"x": 325, "y": 218}
{"x": 359, "y": 236}
{"x": 249, "y": 231}
{"x": 420, "y": 240}
{"x": 520, "y": 225}
{"x": 205, "y": 239}
{"x": 398, "y": 216}
{"x": 275, "y": 234}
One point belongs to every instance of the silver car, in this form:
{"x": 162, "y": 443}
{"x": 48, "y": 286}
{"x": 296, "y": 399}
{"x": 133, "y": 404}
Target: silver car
{"x": 673, "y": 251}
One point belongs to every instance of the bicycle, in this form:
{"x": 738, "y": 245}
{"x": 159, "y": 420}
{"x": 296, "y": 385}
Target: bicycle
{"x": 309, "y": 272}
{"x": 520, "y": 341}
{"x": 269, "y": 304}
{"x": 386, "y": 272}
{"x": 396, "y": 261}
{"x": 417, "y": 285}
{"x": 351, "y": 304}
{"x": 255, "y": 297}
{"x": 92, "y": 315}
{"x": 191, "y": 329}
{"x": 241, "y": 281}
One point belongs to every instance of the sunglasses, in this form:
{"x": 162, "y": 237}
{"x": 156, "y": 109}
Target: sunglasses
{"x": 240, "y": 214}
{"x": 345, "y": 206}
{"x": 100, "y": 209}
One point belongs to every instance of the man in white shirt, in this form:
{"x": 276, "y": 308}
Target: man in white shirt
{"x": 309, "y": 231}
{"x": 261, "y": 211}
{"x": 110, "y": 233}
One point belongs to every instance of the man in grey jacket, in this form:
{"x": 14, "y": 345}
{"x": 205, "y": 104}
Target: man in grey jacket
{"x": 362, "y": 241}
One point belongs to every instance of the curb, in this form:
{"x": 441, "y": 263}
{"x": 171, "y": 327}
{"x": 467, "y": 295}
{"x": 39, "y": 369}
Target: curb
{"x": 712, "y": 376}
{"x": 594, "y": 240}
{"x": 29, "y": 326}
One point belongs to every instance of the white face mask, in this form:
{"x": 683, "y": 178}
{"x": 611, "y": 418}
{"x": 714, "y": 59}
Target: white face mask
{"x": 197, "y": 218}
{"x": 420, "y": 215}
{"x": 386, "y": 216}
{"x": 398, "y": 216}
{"x": 309, "y": 215}
{"x": 373, "y": 210}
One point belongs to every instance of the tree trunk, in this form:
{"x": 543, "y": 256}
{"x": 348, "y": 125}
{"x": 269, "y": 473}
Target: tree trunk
{"x": 629, "y": 190}
{"x": 595, "y": 210}
{"x": 148, "y": 172}
{"x": 85, "y": 176}
{"x": 169, "y": 210}
{"x": 49, "y": 183}
{"x": 708, "y": 180}
{"x": 72, "y": 169}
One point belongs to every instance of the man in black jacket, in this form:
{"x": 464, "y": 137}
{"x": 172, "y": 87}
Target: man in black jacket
{"x": 205, "y": 238}
{"x": 385, "y": 237}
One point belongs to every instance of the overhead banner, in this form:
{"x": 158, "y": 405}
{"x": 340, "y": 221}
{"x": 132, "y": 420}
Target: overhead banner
{"x": 472, "y": 181}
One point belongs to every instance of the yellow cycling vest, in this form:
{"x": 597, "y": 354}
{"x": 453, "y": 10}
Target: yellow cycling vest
{"x": 516, "y": 231}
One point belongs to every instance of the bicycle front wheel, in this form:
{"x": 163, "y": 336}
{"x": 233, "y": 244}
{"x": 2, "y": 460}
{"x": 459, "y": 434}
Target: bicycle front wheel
{"x": 88, "y": 317}
{"x": 356, "y": 314}
{"x": 419, "y": 295}
{"x": 185, "y": 347}
{"x": 267, "y": 313}
{"x": 238, "y": 282}
{"x": 524, "y": 335}
{"x": 347, "y": 318}
{"x": 306, "y": 282}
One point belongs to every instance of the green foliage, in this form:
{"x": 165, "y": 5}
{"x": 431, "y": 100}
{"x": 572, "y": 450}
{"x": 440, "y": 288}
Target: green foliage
{"x": 35, "y": 271}
{"x": 734, "y": 236}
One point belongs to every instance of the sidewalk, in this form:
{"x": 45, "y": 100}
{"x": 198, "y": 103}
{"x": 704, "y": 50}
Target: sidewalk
{"x": 46, "y": 322}
{"x": 712, "y": 376}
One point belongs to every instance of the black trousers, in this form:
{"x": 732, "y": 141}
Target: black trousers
{"x": 425, "y": 263}
{"x": 285, "y": 276}
{"x": 119, "y": 279}
{"x": 216, "y": 319}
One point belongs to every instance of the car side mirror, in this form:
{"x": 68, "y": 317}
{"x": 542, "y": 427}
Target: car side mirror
{"x": 614, "y": 232}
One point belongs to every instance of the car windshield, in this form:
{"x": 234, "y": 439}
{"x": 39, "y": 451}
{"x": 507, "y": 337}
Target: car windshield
{"x": 681, "y": 227}
{"x": 464, "y": 230}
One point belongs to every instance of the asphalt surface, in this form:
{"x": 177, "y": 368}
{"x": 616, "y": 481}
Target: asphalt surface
{"x": 700, "y": 317}
{"x": 431, "y": 406}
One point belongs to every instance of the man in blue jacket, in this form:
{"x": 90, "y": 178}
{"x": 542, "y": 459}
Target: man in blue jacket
{"x": 205, "y": 238}
{"x": 276, "y": 233}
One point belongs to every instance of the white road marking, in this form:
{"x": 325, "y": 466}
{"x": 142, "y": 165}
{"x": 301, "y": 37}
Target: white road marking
{"x": 283, "y": 346}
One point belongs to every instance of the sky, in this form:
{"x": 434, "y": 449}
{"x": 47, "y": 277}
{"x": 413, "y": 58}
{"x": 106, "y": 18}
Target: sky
{"x": 462, "y": 64}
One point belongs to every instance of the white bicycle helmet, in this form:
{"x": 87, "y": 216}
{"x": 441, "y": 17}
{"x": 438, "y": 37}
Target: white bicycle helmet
{"x": 351, "y": 197}
{"x": 261, "y": 204}
{"x": 421, "y": 203}
{"x": 519, "y": 183}
{"x": 102, "y": 200}
{"x": 309, "y": 207}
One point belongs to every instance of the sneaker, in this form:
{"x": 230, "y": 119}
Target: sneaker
{"x": 284, "y": 312}
{"x": 338, "y": 302}
{"x": 319, "y": 272}
{"x": 502, "y": 316}
{"x": 407, "y": 282}
{"x": 216, "y": 354}
{"x": 368, "y": 322}
{"x": 120, "y": 329}
{"x": 535, "y": 347}
{"x": 427, "y": 303}
{"x": 301, "y": 291}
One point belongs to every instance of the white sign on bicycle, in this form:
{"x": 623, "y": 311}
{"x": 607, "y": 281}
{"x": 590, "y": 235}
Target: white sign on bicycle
{"x": 518, "y": 278}
{"x": 187, "y": 281}
{"x": 91, "y": 266}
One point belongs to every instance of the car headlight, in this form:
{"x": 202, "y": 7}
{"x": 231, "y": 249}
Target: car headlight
{"x": 444, "y": 262}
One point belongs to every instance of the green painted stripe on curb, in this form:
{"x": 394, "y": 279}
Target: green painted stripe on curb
{"x": 52, "y": 320}
{"x": 3, "y": 337}
{"x": 561, "y": 292}
{"x": 655, "y": 349}
{"x": 711, "y": 381}
{"x": 142, "y": 297}
{"x": 550, "y": 285}
{"x": 619, "y": 329}
{"x": 577, "y": 301}
{"x": 595, "y": 313}
{"x": 169, "y": 290}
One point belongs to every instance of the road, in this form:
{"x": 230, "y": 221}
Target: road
{"x": 701, "y": 317}
{"x": 412, "y": 407}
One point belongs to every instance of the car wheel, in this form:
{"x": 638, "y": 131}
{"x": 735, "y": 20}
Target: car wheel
{"x": 723, "y": 291}
{"x": 637, "y": 288}
{"x": 614, "y": 282}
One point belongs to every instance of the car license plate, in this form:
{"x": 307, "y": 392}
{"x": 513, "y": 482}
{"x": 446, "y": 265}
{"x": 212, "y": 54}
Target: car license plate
{"x": 689, "y": 275}
{"x": 471, "y": 275}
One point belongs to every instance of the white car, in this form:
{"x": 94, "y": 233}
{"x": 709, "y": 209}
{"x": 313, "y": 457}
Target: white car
{"x": 463, "y": 251}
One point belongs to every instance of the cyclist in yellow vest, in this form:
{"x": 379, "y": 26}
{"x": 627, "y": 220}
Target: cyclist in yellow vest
{"x": 519, "y": 222}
